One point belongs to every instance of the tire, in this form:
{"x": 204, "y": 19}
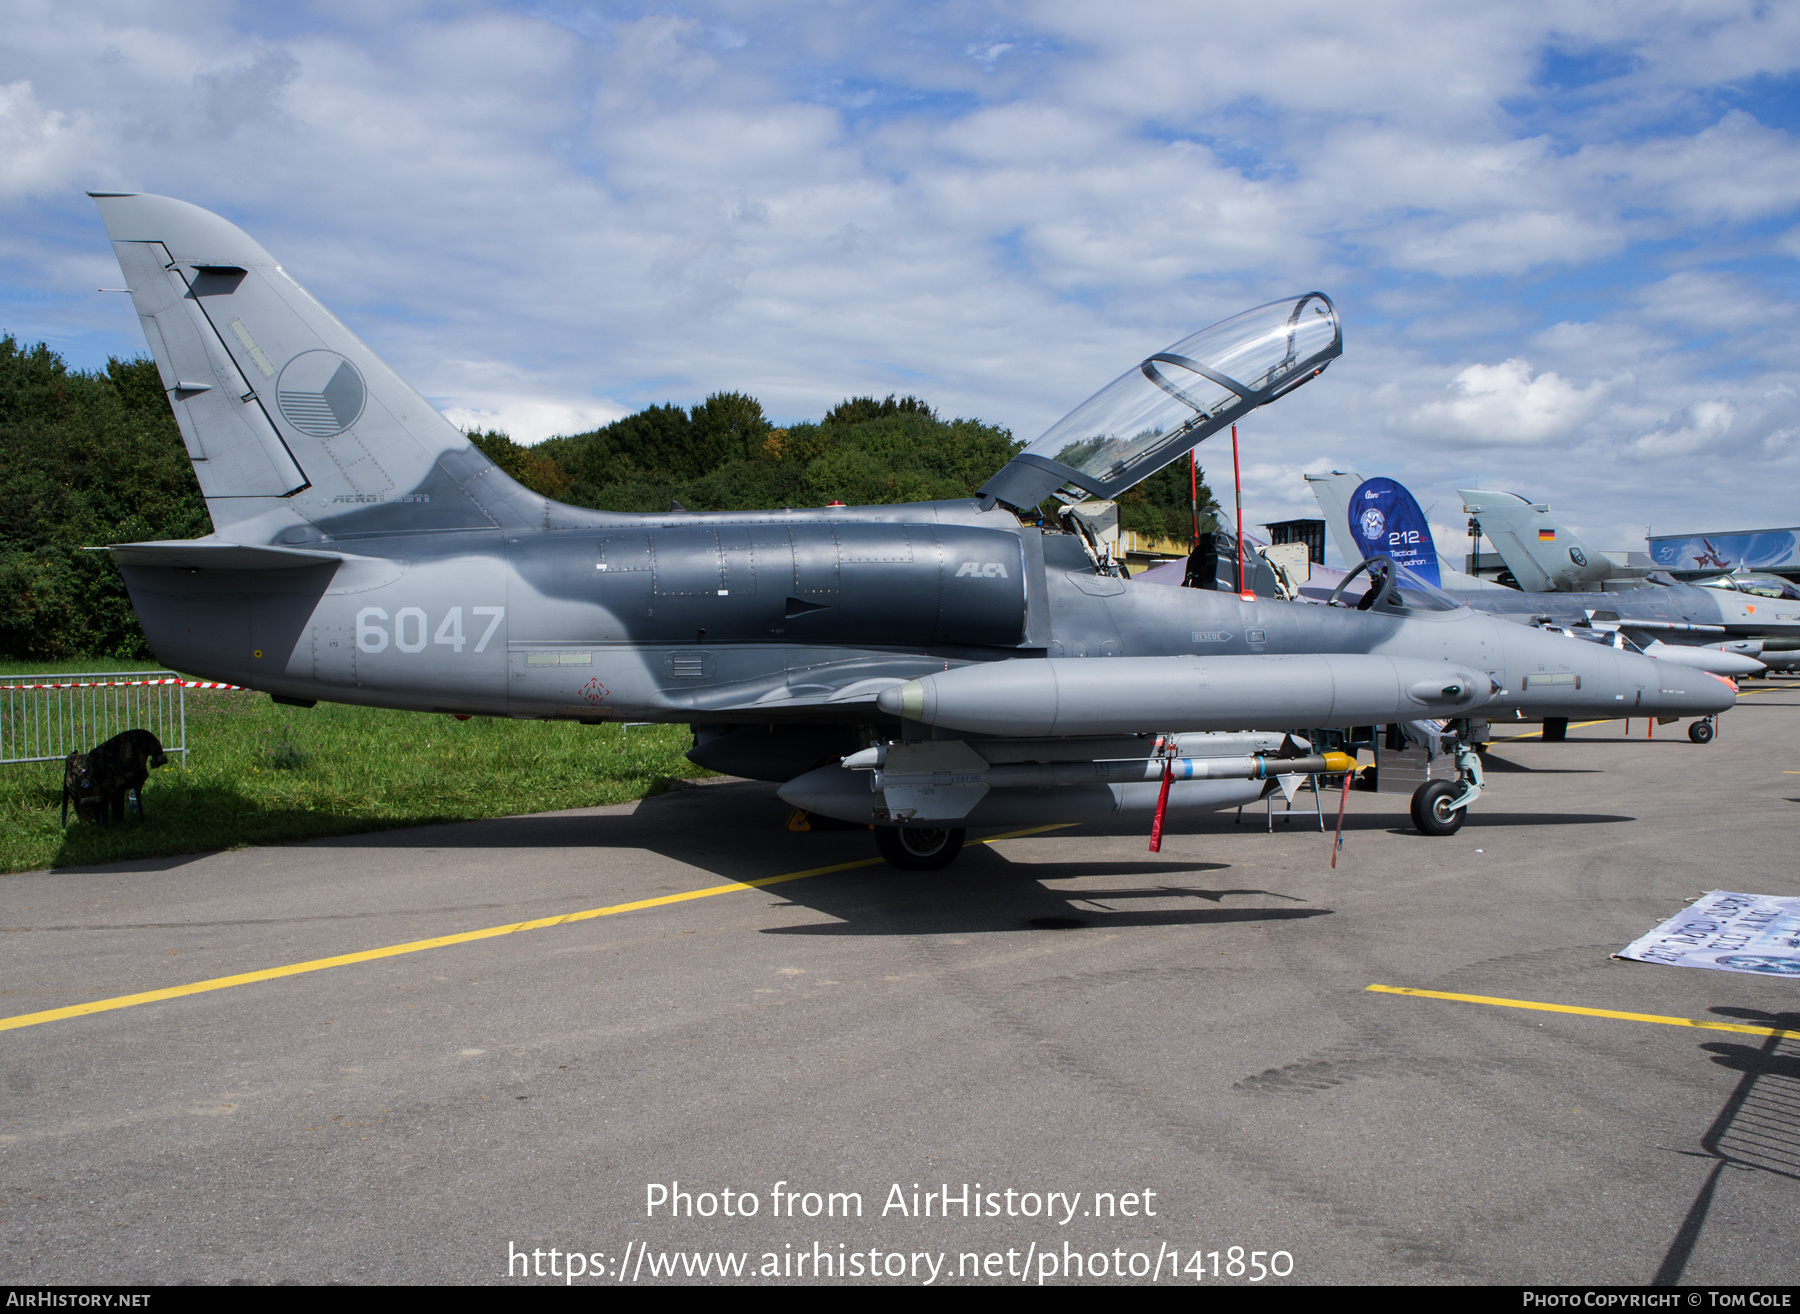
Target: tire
{"x": 1556, "y": 729}
{"x": 1701, "y": 732}
{"x": 1431, "y": 812}
{"x": 918, "y": 848}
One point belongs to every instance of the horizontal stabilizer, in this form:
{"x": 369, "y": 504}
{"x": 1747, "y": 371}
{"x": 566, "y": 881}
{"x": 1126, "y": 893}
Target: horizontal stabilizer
{"x": 203, "y": 555}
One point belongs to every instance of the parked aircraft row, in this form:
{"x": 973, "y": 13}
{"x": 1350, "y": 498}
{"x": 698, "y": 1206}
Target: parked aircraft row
{"x": 1728, "y": 624}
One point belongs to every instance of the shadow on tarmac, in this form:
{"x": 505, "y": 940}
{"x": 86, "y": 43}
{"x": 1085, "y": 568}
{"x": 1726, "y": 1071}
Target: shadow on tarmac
{"x": 986, "y": 892}
{"x": 1758, "y": 1129}
{"x": 1500, "y": 766}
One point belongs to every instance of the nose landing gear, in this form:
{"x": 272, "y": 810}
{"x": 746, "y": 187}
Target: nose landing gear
{"x": 1701, "y": 731}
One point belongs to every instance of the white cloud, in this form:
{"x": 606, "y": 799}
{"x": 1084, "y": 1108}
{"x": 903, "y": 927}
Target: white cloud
{"x": 1699, "y": 426}
{"x": 1505, "y": 405}
{"x": 530, "y": 419}
{"x": 996, "y": 207}
{"x": 41, "y": 149}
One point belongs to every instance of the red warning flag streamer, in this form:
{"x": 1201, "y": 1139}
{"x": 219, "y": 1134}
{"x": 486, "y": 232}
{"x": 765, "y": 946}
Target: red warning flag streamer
{"x": 1162, "y": 806}
{"x": 1338, "y": 842}
{"x": 1237, "y": 492}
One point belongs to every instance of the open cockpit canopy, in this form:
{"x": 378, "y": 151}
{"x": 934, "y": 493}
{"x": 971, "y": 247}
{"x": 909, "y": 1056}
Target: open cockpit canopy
{"x": 1168, "y": 403}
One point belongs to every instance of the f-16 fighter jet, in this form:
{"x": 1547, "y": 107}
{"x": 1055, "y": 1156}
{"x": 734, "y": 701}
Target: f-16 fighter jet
{"x": 921, "y": 668}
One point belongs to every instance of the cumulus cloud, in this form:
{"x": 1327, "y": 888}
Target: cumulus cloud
{"x": 529, "y": 419}
{"x": 1696, "y": 427}
{"x": 1505, "y": 404}
{"x": 41, "y": 149}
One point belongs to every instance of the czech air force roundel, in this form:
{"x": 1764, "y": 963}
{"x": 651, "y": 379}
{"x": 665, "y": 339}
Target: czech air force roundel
{"x": 320, "y": 393}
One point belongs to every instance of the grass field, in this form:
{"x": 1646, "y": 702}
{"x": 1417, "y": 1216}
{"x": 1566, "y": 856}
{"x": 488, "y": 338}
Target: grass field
{"x": 257, "y": 773}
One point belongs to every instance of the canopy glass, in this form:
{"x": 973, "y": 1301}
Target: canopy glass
{"x": 1172, "y": 400}
{"x": 1767, "y": 586}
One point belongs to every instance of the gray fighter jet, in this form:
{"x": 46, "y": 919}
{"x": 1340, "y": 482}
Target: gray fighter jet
{"x": 920, "y": 669}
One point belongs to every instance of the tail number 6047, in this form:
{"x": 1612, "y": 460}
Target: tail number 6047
{"x": 411, "y": 626}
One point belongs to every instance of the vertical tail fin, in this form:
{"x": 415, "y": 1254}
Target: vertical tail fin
{"x": 1385, "y": 521}
{"x": 1543, "y": 555}
{"x": 286, "y": 414}
{"x": 1333, "y": 493}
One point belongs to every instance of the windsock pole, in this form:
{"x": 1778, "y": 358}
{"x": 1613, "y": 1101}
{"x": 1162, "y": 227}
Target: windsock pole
{"x": 1162, "y": 806}
{"x": 1237, "y": 493}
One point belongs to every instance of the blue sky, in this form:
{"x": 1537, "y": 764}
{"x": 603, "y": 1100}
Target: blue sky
{"x": 1564, "y": 238}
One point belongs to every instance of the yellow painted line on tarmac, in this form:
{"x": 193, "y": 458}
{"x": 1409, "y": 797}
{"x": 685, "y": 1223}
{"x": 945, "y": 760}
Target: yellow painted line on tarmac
{"x": 1587, "y": 1012}
{"x": 445, "y": 941}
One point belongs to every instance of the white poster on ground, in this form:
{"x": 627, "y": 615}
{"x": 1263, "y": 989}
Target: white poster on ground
{"x": 1729, "y": 933}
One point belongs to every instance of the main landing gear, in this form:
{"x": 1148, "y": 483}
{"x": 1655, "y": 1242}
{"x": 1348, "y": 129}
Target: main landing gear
{"x": 919, "y": 848}
{"x": 1439, "y": 807}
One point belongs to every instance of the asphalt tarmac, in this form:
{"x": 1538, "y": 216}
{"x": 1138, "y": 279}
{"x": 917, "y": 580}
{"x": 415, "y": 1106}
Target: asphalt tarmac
{"x": 1204, "y": 1033}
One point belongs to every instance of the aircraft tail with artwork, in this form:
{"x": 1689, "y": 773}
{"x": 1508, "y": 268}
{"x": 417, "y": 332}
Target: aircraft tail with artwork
{"x": 1379, "y": 517}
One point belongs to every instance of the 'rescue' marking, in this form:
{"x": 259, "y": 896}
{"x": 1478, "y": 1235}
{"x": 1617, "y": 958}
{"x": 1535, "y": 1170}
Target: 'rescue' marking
{"x": 1587, "y": 1012}
{"x": 444, "y": 941}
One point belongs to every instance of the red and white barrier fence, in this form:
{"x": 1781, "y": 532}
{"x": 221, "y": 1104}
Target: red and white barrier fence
{"x": 44, "y": 718}
{"x": 122, "y": 684}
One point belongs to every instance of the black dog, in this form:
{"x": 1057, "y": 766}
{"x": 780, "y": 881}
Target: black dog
{"x": 80, "y": 788}
{"x": 98, "y": 781}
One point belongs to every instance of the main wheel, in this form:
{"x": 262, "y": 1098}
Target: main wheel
{"x": 1556, "y": 729}
{"x": 1431, "y": 810}
{"x": 1701, "y": 731}
{"x": 918, "y": 848}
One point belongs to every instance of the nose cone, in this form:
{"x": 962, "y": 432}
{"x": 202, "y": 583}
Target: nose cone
{"x": 1688, "y": 692}
{"x": 905, "y": 700}
{"x": 1553, "y": 675}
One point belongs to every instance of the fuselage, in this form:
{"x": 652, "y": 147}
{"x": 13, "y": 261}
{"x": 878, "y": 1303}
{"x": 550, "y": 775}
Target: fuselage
{"x": 779, "y": 617}
{"x": 1690, "y": 612}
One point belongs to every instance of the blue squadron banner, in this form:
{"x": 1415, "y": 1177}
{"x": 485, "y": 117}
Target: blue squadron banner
{"x": 1385, "y": 521}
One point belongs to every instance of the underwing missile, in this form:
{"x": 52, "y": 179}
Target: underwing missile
{"x": 1134, "y": 695}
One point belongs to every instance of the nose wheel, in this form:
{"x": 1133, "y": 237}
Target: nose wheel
{"x": 918, "y": 848}
{"x": 1701, "y": 731}
{"x": 1432, "y": 810}
{"x": 1439, "y": 807}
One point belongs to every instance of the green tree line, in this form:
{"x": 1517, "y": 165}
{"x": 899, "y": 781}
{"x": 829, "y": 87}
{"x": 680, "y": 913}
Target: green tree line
{"x": 91, "y": 458}
{"x": 725, "y": 455}
{"x": 85, "y": 459}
